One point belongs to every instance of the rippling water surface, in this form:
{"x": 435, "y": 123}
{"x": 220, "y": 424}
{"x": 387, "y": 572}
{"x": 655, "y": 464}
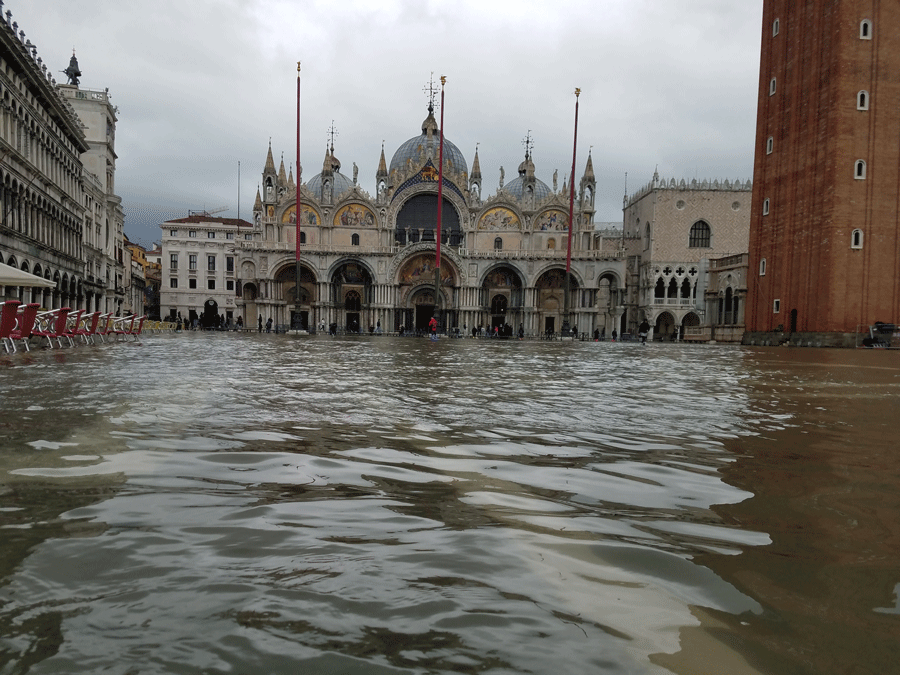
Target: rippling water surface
{"x": 222, "y": 503}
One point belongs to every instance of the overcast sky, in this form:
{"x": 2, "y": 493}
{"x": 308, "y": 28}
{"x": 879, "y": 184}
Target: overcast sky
{"x": 202, "y": 85}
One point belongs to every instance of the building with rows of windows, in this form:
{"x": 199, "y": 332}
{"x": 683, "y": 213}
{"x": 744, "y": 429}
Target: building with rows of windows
{"x": 61, "y": 218}
{"x": 686, "y": 244}
{"x": 198, "y": 270}
{"x": 825, "y": 233}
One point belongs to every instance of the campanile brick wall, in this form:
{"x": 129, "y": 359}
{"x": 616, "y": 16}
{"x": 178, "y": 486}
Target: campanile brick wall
{"x": 819, "y": 64}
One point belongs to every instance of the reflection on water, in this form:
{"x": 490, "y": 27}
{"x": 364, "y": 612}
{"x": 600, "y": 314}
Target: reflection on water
{"x": 212, "y": 503}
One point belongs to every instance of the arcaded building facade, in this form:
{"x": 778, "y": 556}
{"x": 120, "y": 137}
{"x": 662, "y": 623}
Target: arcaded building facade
{"x": 680, "y": 237}
{"x": 825, "y": 231}
{"x": 367, "y": 261}
{"x": 61, "y": 218}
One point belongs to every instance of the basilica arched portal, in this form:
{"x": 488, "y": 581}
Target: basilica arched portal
{"x": 550, "y": 298}
{"x": 416, "y": 285}
{"x": 502, "y": 296}
{"x": 298, "y": 312}
{"x": 352, "y": 292}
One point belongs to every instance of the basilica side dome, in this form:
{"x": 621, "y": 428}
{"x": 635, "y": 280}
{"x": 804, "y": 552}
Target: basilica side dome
{"x": 331, "y": 170}
{"x": 340, "y": 181}
{"x": 516, "y": 187}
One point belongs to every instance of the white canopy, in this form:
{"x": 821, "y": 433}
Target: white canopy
{"x": 10, "y": 276}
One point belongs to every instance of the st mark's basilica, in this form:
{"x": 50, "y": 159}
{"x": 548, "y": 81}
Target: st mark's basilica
{"x": 367, "y": 263}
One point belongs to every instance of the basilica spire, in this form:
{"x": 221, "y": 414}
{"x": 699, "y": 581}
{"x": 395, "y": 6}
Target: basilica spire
{"x": 282, "y": 177}
{"x": 290, "y": 182}
{"x": 475, "y": 178}
{"x": 476, "y": 166}
{"x": 589, "y": 168}
{"x": 382, "y": 173}
{"x": 270, "y": 162}
{"x": 257, "y": 205}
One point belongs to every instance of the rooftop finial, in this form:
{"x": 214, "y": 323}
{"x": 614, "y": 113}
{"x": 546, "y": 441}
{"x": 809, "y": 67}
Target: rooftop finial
{"x": 431, "y": 90}
{"x": 332, "y": 132}
{"x": 528, "y": 143}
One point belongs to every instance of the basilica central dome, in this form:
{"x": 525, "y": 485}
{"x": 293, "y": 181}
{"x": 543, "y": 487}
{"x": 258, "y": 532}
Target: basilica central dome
{"x": 429, "y": 141}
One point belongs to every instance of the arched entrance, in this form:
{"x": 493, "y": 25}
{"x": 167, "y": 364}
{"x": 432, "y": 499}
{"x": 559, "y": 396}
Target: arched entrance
{"x": 503, "y": 297}
{"x": 352, "y": 290}
{"x": 690, "y": 320}
{"x": 424, "y": 307}
{"x": 210, "y": 317}
{"x": 665, "y": 327}
{"x": 416, "y": 281}
{"x": 550, "y": 300}
{"x": 299, "y": 309}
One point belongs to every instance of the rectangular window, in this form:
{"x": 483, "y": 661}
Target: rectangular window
{"x": 211, "y": 284}
{"x": 173, "y": 283}
{"x": 762, "y": 267}
{"x": 173, "y": 233}
{"x": 229, "y": 285}
{"x": 210, "y": 235}
{"x": 173, "y": 261}
{"x": 772, "y": 86}
{"x": 770, "y": 145}
{"x": 776, "y": 306}
{"x": 192, "y": 283}
{"x": 192, "y": 234}
{"x": 249, "y": 237}
{"x": 211, "y": 263}
{"x": 229, "y": 263}
{"x": 192, "y": 261}
{"x": 229, "y": 235}
{"x": 765, "y": 207}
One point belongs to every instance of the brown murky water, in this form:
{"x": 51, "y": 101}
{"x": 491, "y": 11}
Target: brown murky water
{"x": 221, "y": 503}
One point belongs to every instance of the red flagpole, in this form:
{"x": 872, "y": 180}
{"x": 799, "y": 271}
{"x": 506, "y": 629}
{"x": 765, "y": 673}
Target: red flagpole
{"x": 572, "y": 187}
{"x": 437, "y": 261}
{"x": 297, "y": 214}
{"x": 571, "y": 219}
{"x": 297, "y": 209}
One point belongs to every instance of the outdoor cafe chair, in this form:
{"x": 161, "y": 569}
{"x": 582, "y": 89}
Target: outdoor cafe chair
{"x": 25, "y": 320}
{"x": 52, "y": 325}
{"x": 8, "y": 323}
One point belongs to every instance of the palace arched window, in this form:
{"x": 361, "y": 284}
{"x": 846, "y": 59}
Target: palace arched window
{"x": 551, "y": 243}
{"x": 765, "y": 207}
{"x": 770, "y": 145}
{"x": 762, "y": 267}
{"x": 859, "y": 171}
{"x": 701, "y": 235}
{"x": 498, "y": 244}
{"x": 775, "y": 27}
{"x": 771, "y": 86}
{"x": 303, "y": 237}
{"x": 856, "y": 238}
{"x": 354, "y": 240}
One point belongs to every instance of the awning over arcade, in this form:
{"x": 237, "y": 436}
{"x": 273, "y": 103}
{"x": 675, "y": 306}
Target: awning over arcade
{"x": 10, "y": 276}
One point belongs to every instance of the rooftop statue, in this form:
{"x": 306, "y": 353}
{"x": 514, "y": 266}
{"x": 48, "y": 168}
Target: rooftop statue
{"x": 73, "y": 72}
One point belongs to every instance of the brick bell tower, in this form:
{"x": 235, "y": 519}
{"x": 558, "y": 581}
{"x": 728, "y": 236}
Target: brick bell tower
{"x": 825, "y": 223}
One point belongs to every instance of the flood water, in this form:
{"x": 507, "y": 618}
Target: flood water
{"x": 221, "y": 503}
